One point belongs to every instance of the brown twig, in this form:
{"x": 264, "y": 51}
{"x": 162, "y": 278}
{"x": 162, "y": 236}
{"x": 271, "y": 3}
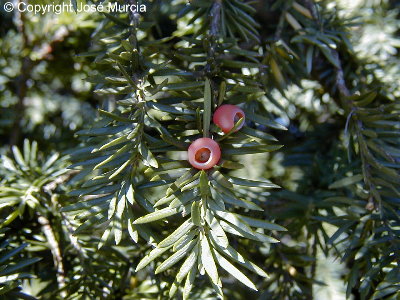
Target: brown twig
{"x": 22, "y": 82}
{"x": 339, "y": 76}
{"x": 26, "y": 68}
{"x": 215, "y": 15}
{"x": 215, "y": 26}
{"x": 55, "y": 251}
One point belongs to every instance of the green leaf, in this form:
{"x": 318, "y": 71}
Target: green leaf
{"x": 204, "y": 187}
{"x": 346, "y": 181}
{"x": 189, "y": 283}
{"x": 170, "y": 109}
{"x": 177, "y": 256}
{"x": 11, "y": 253}
{"x": 233, "y": 130}
{"x": 239, "y": 64}
{"x": 184, "y": 240}
{"x": 132, "y": 230}
{"x": 183, "y": 86}
{"x": 116, "y": 20}
{"x": 236, "y": 256}
{"x": 240, "y": 228}
{"x": 156, "y": 252}
{"x": 117, "y": 153}
{"x": 252, "y": 183}
{"x": 104, "y": 238}
{"x": 87, "y": 204}
{"x": 120, "y": 169}
{"x": 262, "y": 224}
{"x": 188, "y": 264}
{"x": 216, "y": 230}
{"x": 18, "y": 158}
{"x": 130, "y": 194}
{"x": 233, "y": 271}
{"x": 195, "y": 213}
{"x": 174, "y": 141}
{"x": 221, "y": 92}
{"x": 183, "y": 198}
{"x": 114, "y": 116}
{"x": 11, "y": 269}
{"x": 101, "y": 131}
{"x": 342, "y": 229}
{"x": 189, "y": 176}
{"x": 143, "y": 202}
{"x": 366, "y": 99}
{"x": 148, "y": 156}
{"x": 117, "y": 229}
{"x": 27, "y": 150}
{"x": 239, "y": 202}
{"x": 157, "y": 215}
{"x": 382, "y": 293}
{"x": 247, "y": 149}
{"x": 258, "y": 134}
{"x": 235, "y": 220}
{"x": 114, "y": 142}
{"x": 227, "y": 164}
{"x": 173, "y": 289}
{"x": 264, "y": 121}
{"x": 126, "y": 75}
{"x": 215, "y": 203}
{"x": 207, "y": 260}
{"x": 207, "y": 108}
{"x": 177, "y": 234}
{"x": 327, "y": 52}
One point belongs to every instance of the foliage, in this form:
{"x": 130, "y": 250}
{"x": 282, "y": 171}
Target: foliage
{"x": 129, "y": 218}
{"x": 10, "y": 275}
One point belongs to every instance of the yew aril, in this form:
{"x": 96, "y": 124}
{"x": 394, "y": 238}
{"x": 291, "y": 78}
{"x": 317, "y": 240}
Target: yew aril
{"x": 226, "y": 116}
{"x": 204, "y": 153}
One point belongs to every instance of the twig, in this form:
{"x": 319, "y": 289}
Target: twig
{"x": 215, "y": 28}
{"x": 134, "y": 19}
{"x": 55, "y": 251}
{"x": 22, "y": 82}
{"x": 314, "y": 255}
{"x": 215, "y": 15}
{"x": 26, "y": 67}
{"x": 339, "y": 77}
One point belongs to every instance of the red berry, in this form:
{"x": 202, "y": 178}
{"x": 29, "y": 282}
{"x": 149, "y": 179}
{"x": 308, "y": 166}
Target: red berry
{"x": 226, "y": 116}
{"x": 204, "y": 153}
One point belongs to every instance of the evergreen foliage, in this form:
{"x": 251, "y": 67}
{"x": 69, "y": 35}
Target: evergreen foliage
{"x": 110, "y": 208}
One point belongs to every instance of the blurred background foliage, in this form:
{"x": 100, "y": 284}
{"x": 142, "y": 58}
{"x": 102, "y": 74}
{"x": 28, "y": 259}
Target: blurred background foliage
{"x": 329, "y": 72}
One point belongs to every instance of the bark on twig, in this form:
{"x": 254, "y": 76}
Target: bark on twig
{"x": 339, "y": 76}
{"x": 27, "y": 65}
{"x": 215, "y": 15}
{"x": 22, "y": 83}
{"x": 55, "y": 251}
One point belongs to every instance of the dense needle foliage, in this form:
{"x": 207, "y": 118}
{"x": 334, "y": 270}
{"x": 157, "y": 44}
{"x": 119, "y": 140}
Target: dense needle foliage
{"x": 98, "y": 199}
